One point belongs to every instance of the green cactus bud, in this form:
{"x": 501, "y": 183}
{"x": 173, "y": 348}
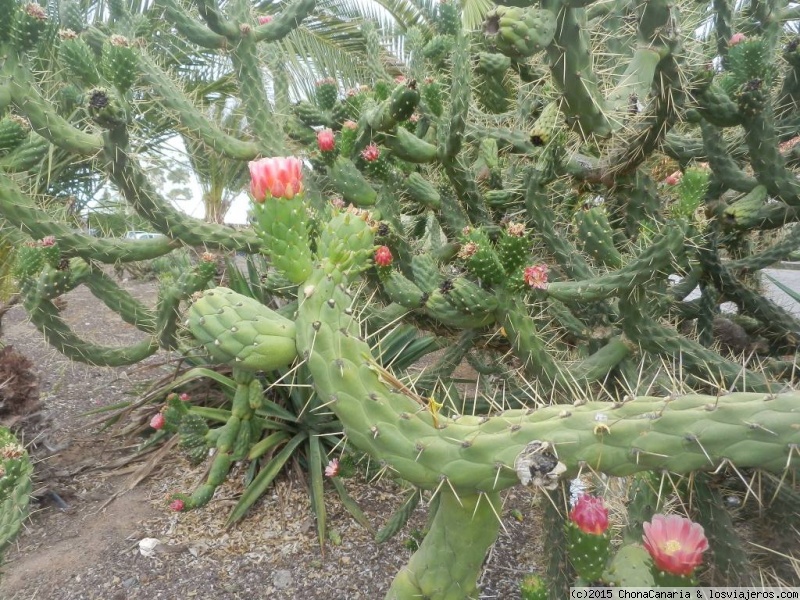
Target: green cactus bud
{"x": 348, "y": 181}
{"x": 29, "y": 23}
{"x": 120, "y": 64}
{"x": 13, "y": 131}
{"x": 326, "y": 93}
{"x": 519, "y": 32}
{"x": 78, "y": 58}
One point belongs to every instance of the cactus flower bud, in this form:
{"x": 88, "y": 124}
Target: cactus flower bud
{"x": 590, "y": 515}
{"x": 184, "y": 397}
{"x": 383, "y": 256}
{"x": 264, "y": 19}
{"x": 675, "y": 543}
{"x": 351, "y": 125}
{"x": 279, "y": 177}
{"x": 673, "y": 178}
{"x": 325, "y": 140}
{"x": 332, "y": 470}
{"x": 536, "y": 276}
{"x": 158, "y": 421}
{"x": 737, "y": 38}
{"x": 371, "y": 153}
{"x": 177, "y": 505}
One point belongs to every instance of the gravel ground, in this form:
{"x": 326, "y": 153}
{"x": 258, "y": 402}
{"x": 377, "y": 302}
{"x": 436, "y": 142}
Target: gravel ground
{"x": 88, "y": 546}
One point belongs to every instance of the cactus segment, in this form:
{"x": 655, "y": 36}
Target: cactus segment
{"x": 519, "y": 32}
{"x": 420, "y": 190}
{"x": 447, "y": 563}
{"x": 546, "y": 125}
{"x": 408, "y": 146}
{"x": 120, "y": 64}
{"x": 348, "y": 181}
{"x": 283, "y": 226}
{"x": 596, "y": 237}
{"x": 588, "y": 552}
{"x": 347, "y": 241}
{"x": 242, "y": 332}
{"x": 13, "y": 131}
{"x": 15, "y": 487}
{"x": 28, "y": 24}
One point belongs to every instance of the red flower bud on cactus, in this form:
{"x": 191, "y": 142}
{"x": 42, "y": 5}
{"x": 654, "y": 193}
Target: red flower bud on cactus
{"x": 590, "y": 515}
{"x": 177, "y": 505}
{"x": 325, "y": 140}
{"x": 158, "y": 421}
{"x": 47, "y": 241}
{"x": 264, "y": 19}
{"x": 184, "y": 397}
{"x": 673, "y": 178}
{"x": 536, "y": 276}
{"x": 675, "y": 543}
{"x": 279, "y": 177}
{"x": 371, "y": 153}
{"x": 383, "y": 256}
{"x": 737, "y": 38}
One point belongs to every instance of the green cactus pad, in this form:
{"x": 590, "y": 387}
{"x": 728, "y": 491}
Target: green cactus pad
{"x": 241, "y": 331}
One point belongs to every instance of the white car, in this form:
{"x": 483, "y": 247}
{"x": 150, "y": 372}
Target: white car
{"x": 142, "y": 235}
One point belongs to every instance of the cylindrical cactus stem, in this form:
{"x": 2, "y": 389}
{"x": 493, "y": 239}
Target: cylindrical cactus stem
{"x": 452, "y": 134}
{"x": 15, "y": 487}
{"x": 192, "y": 120}
{"x": 571, "y": 68}
{"x": 43, "y": 117}
{"x": 780, "y": 324}
{"x": 119, "y": 300}
{"x": 447, "y": 563}
{"x": 691, "y": 432}
{"x": 190, "y": 28}
{"x": 779, "y": 251}
{"x": 145, "y": 199}
{"x": 284, "y": 22}
{"x": 44, "y": 316}
{"x": 596, "y": 235}
{"x": 643, "y": 268}
{"x": 765, "y": 158}
{"x": 723, "y": 166}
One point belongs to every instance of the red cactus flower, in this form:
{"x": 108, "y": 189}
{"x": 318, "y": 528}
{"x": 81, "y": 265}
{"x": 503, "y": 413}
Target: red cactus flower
{"x": 536, "y": 276}
{"x": 675, "y": 543}
{"x": 177, "y": 505}
{"x": 184, "y": 397}
{"x": 737, "y": 38}
{"x": 279, "y": 177}
{"x": 589, "y": 514}
{"x": 158, "y": 421}
{"x": 325, "y": 140}
{"x": 332, "y": 470}
{"x": 371, "y": 153}
{"x": 673, "y": 178}
{"x": 264, "y": 19}
{"x": 383, "y": 256}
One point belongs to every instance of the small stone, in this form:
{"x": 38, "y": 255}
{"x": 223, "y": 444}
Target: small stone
{"x": 129, "y": 582}
{"x": 282, "y": 579}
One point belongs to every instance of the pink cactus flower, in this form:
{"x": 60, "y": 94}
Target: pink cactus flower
{"x": 279, "y": 177}
{"x": 184, "y": 397}
{"x": 371, "y": 153}
{"x": 590, "y": 515}
{"x": 383, "y": 256}
{"x": 737, "y": 38}
{"x": 158, "y": 421}
{"x": 177, "y": 505}
{"x": 536, "y": 276}
{"x": 264, "y": 19}
{"x": 325, "y": 140}
{"x": 332, "y": 470}
{"x": 400, "y": 79}
{"x": 675, "y": 543}
{"x": 49, "y": 240}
